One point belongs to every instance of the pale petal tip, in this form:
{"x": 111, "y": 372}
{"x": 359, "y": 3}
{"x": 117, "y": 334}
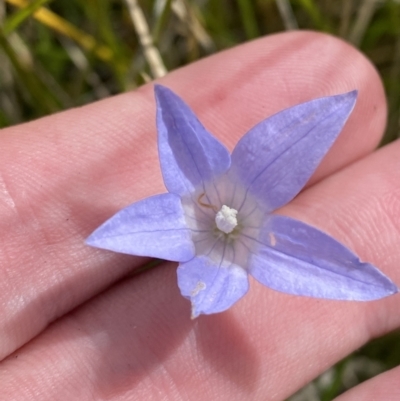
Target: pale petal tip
{"x": 95, "y": 241}
{"x": 393, "y": 289}
{"x": 98, "y": 239}
{"x": 160, "y": 90}
{"x": 195, "y": 314}
{"x": 348, "y": 98}
{"x": 387, "y": 288}
{"x": 352, "y": 95}
{"x": 382, "y": 293}
{"x": 91, "y": 240}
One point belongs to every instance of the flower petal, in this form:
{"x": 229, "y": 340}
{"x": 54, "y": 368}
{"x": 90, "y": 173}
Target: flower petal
{"x": 275, "y": 159}
{"x": 189, "y": 155}
{"x": 211, "y": 288}
{"x": 298, "y": 259}
{"x": 153, "y": 227}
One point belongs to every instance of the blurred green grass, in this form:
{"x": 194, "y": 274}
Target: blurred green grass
{"x": 60, "y": 54}
{"x": 80, "y": 51}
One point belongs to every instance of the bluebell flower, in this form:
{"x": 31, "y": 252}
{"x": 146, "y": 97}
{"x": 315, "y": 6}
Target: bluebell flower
{"x": 216, "y": 219}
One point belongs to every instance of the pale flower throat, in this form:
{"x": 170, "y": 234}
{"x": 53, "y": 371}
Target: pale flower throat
{"x": 226, "y": 220}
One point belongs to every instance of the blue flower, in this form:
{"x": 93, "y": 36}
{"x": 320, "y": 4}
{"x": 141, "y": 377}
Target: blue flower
{"x": 217, "y": 218}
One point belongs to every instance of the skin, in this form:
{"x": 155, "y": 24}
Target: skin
{"x": 78, "y": 324}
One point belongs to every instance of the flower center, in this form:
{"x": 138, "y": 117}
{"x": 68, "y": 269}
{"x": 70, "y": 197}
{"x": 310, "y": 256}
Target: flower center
{"x": 226, "y": 219}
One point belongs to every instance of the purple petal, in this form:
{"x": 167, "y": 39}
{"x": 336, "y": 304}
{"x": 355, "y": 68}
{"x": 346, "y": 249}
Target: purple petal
{"x": 189, "y": 155}
{"x": 295, "y": 258}
{"x": 210, "y": 287}
{"x": 153, "y": 227}
{"x": 275, "y": 159}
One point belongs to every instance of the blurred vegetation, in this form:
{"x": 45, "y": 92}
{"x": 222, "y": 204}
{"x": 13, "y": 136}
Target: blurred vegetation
{"x": 376, "y": 357}
{"x": 64, "y": 53}
{"x": 58, "y": 54}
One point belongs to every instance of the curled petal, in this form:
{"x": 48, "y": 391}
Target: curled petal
{"x": 295, "y": 258}
{"x": 211, "y": 288}
{"x": 189, "y": 155}
{"x": 275, "y": 159}
{"x": 153, "y": 227}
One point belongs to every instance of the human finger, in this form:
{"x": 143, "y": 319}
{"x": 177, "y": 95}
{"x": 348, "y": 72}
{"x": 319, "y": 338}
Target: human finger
{"x": 136, "y": 339}
{"x": 63, "y": 175}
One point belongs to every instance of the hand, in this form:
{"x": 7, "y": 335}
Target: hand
{"x": 62, "y": 176}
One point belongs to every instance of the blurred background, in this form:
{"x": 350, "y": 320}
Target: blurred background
{"x": 64, "y": 53}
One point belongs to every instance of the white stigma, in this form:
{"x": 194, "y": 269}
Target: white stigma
{"x": 226, "y": 219}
